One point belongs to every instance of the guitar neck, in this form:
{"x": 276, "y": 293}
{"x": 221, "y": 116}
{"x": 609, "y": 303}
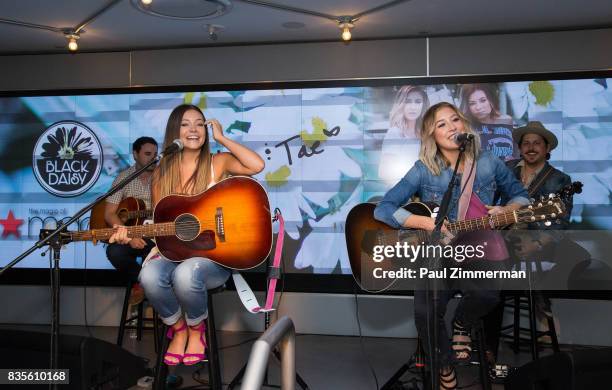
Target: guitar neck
{"x": 141, "y": 231}
{"x": 139, "y": 214}
{"x": 483, "y": 223}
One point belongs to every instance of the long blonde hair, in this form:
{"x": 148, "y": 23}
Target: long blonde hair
{"x": 397, "y": 117}
{"x": 168, "y": 174}
{"x": 429, "y": 154}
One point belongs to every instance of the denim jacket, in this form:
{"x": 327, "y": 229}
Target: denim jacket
{"x": 491, "y": 174}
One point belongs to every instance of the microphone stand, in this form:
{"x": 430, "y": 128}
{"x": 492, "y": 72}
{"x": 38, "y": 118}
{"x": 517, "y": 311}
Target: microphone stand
{"x": 55, "y": 240}
{"x": 435, "y": 238}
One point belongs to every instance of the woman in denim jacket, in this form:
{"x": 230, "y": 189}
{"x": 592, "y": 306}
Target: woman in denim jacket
{"x": 428, "y": 179}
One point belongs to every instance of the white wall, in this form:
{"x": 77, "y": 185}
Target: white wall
{"x": 313, "y": 313}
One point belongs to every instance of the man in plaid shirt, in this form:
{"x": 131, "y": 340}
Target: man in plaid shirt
{"x": 124, "y": 256}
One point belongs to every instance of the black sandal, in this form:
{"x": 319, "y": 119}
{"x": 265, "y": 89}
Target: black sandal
{"x": 448, "y": 381}
{"x": 462, "y": 349}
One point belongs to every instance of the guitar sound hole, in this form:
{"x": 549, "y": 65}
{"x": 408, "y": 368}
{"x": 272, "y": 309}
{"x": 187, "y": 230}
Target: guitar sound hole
{"x": 187, "y": 227}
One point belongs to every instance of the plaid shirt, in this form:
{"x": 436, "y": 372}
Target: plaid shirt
{"x": 137, "y": 188}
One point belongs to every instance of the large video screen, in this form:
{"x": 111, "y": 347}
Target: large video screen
{"x": 326, "y": 150}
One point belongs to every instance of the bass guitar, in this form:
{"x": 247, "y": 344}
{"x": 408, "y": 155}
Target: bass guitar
{"x": 230, "y": 223}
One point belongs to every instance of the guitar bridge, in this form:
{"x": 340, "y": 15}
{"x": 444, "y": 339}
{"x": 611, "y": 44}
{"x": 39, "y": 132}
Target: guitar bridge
{"x": 219, "y": 224}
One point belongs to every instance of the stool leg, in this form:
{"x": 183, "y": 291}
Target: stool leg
{"x": 482, "y": 354}
{"x": 124, "y": 310}
{"x": 139, "y": 321}
{"x": 155, "y": 332}
{"x": 552, "y": 331}
{"x": 214, "y": 368}
{"x": 533, "y": 330}
{"x": 517, "y": 324}
{"x": 161, "y": 371}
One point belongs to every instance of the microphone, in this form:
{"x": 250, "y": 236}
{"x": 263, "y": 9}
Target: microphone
{"x": 461, "y": 138}
{"x": 175, "y": 146}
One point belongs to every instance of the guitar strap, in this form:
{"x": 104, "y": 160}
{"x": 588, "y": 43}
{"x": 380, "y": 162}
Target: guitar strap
{"x": 244, "y": 291}
{"x": 535, "y": 186}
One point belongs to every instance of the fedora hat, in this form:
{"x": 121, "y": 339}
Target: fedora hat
{"x": 535, "y": 127}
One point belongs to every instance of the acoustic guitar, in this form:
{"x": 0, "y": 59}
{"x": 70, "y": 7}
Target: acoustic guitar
{"x": 230, "y": 223}
{"x": 363, "y": 233}
{"x": 131, "y": 211}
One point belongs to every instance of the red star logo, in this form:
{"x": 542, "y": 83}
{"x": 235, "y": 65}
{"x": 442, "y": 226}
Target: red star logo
{"x": 11, "y": 225}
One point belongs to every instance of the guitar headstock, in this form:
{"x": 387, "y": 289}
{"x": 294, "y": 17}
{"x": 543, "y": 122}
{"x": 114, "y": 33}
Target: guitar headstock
{"x": 63, "y": 237}
{"x": 544, "y": 210}
{"x": 570, "y": 189}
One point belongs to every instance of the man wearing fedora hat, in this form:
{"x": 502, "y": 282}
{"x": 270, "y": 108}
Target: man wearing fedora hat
{"x": 533, "y": 170}
{"x": 540, "y": 179}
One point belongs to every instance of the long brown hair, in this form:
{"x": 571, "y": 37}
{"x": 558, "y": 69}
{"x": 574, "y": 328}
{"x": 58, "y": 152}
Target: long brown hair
{"x": 490, "y": 92}
{"x": 430, "y": 155}
{"x": 396, "y": 116}
{"x": 168, "y": 174}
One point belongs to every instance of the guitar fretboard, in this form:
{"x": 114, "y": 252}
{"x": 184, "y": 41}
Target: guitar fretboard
{"x": 153, "y": 230}
{"x": 483, "y": 223}
{"x": 137, "y": 214}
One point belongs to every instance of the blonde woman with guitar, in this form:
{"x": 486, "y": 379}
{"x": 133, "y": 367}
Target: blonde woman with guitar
{"x": 178, "y": 290}
{"x": 481, "y": 174}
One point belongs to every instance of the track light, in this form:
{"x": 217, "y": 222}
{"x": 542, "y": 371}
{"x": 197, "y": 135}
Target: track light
{"x": 346, "y": 24}
{"x": 72, "y": 41}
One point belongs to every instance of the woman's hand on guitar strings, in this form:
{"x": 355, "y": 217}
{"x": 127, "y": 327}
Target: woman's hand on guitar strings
{"x": 120, "y": 236}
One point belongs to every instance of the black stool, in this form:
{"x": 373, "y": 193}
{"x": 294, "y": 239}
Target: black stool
{"x": 525, "y": 301}
{"x": 139, "y": 317}
{"x": 482, "y": 356}
{"x": 214, "y": 368}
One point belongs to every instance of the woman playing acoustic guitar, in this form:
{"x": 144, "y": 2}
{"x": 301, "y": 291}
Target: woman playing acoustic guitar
{"x": 481, "y": 175}
{"x": 178, "y": 290}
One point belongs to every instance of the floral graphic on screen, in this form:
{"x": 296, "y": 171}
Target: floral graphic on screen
{"x": 67, "y": 159}
{"x": 67, "y": 145}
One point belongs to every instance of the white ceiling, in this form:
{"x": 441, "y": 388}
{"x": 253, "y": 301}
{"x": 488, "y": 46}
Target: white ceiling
{"x": 123, "y": 27}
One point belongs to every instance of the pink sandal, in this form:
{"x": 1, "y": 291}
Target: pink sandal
{"x": 199, "y": 356}
{"x": 178, "y": 356}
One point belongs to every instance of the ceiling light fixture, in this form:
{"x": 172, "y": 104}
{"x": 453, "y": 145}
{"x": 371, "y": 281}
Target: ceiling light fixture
{"x": 72, "y": 41}
{"x": 213, "y": 29}
{"x": 146, "y": 2}
{"x": 346, "y": 23}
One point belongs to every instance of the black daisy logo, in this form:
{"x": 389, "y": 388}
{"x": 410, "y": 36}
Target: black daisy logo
{"x": 67, "y": 144}
{"x": 67, "y": 159}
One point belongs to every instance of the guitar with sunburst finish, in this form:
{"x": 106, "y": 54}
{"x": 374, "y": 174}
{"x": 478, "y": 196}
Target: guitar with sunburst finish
{"x": 230, "y": 223}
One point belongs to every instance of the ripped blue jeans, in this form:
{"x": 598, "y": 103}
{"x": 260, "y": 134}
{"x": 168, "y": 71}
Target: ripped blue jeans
{"x": 173, "y": 288}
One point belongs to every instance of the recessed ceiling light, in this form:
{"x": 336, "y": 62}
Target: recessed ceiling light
{"x": 185, "y": 9}
{"x": 293, "y": 25}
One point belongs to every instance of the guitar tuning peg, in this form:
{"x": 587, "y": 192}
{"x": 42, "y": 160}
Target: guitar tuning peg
{"x": 539, "y": 204}
{"x": 550, "y": 196}
{"x": 530, "y": 207}
{"x": 542, "y": 217}
{"x": 533, "y": 218}
{"x": 547, "y": 223}
{"x": 550, "y": 202}
{"x": 553, "y": 215}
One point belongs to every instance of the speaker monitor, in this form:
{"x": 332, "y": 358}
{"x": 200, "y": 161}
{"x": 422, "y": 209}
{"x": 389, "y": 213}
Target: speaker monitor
{"x": 93, "y": 363}
{"x": 576, "y": 370}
